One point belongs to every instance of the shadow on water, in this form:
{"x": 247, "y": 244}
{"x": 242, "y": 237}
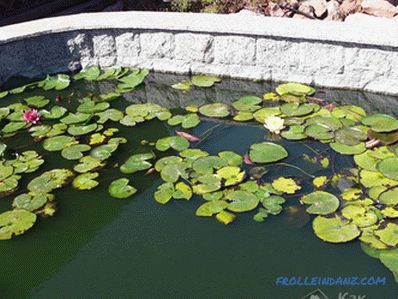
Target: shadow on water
{"x": 100, "y": 247}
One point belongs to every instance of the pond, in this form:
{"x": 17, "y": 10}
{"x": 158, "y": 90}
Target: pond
{"x": 265, "y": 200}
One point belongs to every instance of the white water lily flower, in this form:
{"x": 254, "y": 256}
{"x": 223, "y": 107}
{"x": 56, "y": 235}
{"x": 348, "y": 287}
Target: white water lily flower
{"x": 274, "y": 124}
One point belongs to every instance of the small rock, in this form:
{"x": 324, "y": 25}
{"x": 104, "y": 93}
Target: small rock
{"x": 319, "y": 8}
{"x": 274, "y": 10}
{"x": 379, "y": 8}
{"x": 306, "y": 9}
{"x": 348, "y": 7}
{"x": 334, "y": 13}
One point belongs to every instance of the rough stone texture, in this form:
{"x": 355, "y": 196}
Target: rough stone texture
{"x": 355, "y": 55}
{"x": 80, "y": 48}
{"x": 237, "y": 50}
{"x": 128, "y": 48}
{"x": 104, "y": 50}
{"x": 194, "y": 47}
{"x": 157, "y": 45}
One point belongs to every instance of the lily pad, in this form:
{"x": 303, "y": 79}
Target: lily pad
{"x": 368, "y": 237}
{"x": 89, "y": 106}
{"x": 55, "y": 112}
{"x": 132, "y": 80}
{"x": 120, "y": 188}
{"x": 262, "y": 114}
{"x": 192, "y": 154}
{"x": 285, "y": 185}
{"x": 388, "y": 234}
{"x": 77, "y": 130}
{"x": 75, "y": 152}
{"x": 211, "y": 207}
{"x": 182, "y": 191}
{"x": 15, "y": 222}
{"x": 90, "y": 73}
{"x": 389, "y": 197}
{"x": 373, "y": 178}
{"x": 29, "y": 201}
{"x": 352, "y": 112}
{"x": 8, "y": 185}
{"x": 319, "y": 132}
{"x": 359, "y": 215}
{"x": 206, "y": 165}
{"x": 37, "y": 101}
{"x": 330, "y": 122}
{"x": 86, "y": 181}
{"x": 321, "y": 203}
{"x": 389, "y": 168}
{"x": 232, "y": 158}
{"x": 296, "y": 89}
{"x": 225, "y": 217}
{"x": 164, "y": 193}
{"x": 58, "y": 143}
{"x": 50, "y": 180}
{"x": 273, "y": 204}
{"x": 75, "y": 118}
{"x": 247, "y": 103}
{"x": 137, "y": 162}
{"x": 175, "y": 142}
{"x": 242, "y": 201}
{"x": 88, "y": 163}
{"x": 335, "y": 229}
{"x": 57, "y": 82}
{"x": 267, "y": 152}
{"x": 14, "y": 126}
{"x": 366, "y": 161}
{"x": 381, "y": 122}
{"x": 109, "y": 114}
{"x": 295, "y": 132}
{"x": 104, "y": 151}
{"x": 184, "y": 85}
{"x": 389, "y": 258}
{"x": 162, "y": 162}
{"x": 172, "y": 172}
{"x": 231, "y": 174}
{"x": 348, "y": 149}
{"x": 147, "y": 111}
{"x": 350, "y": 136}
{"x": 296, "y": 109}
{"x": 217, "y": 110}
{"x": 204, "y": 81}
{"x": 188, "y": 121}
{"x": 243, "y": 116}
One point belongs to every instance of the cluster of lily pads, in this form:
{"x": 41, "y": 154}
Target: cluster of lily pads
{"x": 228, "y": 183}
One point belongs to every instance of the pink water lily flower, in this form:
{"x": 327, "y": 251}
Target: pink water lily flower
{"x": 31, "y": 116}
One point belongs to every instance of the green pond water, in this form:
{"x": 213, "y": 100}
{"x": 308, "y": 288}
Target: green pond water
{"x": 96, "y": 246}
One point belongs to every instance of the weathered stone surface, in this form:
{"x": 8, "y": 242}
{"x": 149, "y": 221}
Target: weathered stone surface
{"x": 238, "y": 50}
{"x": 379, "y": 8}
{"x": 282, "y": 55}
{"x": 333, "y": 11}
{"x": 13, "y": 59}
{"x": 348, "y": 7}
{"x": 355, "y": 54}
{"x": 194, "y": 47}
{"x": 80, "y": 48}
{"x": 157, "y": 45}
{"x": 104, "y": 49}
{"x": 128, "y": 48}
{"x": 362, "y": 66}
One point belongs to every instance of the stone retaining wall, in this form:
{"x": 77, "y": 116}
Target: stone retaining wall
{"x": 350, "y": 55}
